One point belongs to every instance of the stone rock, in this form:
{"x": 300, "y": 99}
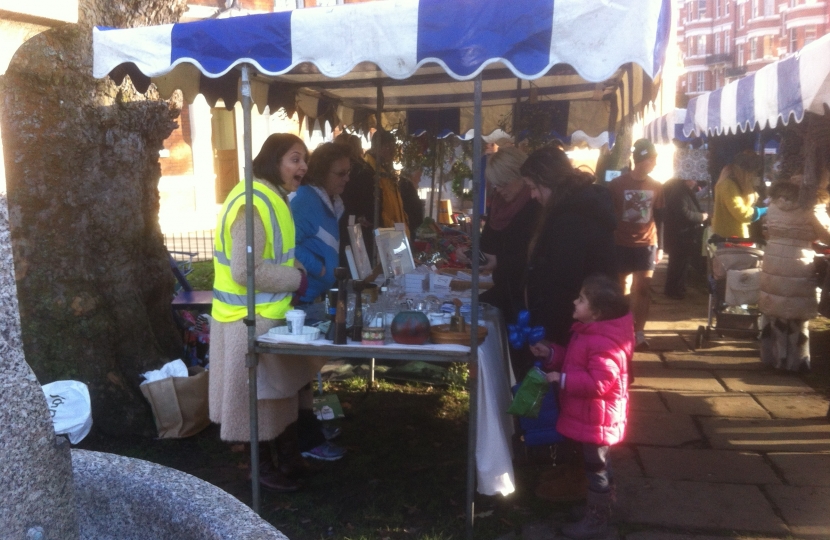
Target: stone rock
{"x": 801, "y": 469}
{"x": 714, "y": 404}
{"x": 82, "y": 172}
{"x": 662, "y": 378}
{"x": 794, "y": 406}
{"x": 661, "y": 429}
{"x": 705, "y": 465}
{"x": 35, "y": 465}
{"x": 804, "y": 509}
{"x": 764, "y": 381}
{"x": 767, "y": 435}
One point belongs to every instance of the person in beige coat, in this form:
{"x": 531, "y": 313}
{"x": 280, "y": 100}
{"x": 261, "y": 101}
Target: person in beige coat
{"x": 279, "y": 167}
{"x": 788, "y": 282}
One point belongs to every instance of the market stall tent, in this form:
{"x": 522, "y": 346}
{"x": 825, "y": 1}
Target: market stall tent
{"x": 479, "y": 56}
{"x": 329, "y": 62}
{"x": 779, "y": 92}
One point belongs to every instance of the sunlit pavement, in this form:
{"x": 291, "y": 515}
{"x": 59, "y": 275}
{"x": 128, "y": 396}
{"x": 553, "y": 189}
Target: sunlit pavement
{"x": 719, "y": 445}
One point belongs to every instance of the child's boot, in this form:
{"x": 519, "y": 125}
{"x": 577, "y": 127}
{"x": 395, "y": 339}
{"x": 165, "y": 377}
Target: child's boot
{"x": 595, "y": 522}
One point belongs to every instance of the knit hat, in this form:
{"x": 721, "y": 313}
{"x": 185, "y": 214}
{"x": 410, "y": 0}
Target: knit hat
{"x": 643, "y": 149}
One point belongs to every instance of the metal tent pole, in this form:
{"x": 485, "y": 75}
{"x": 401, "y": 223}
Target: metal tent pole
{"x": 473, "y": 379}
{"x": 250, "y": 320}
{"x": 378, "y": 113}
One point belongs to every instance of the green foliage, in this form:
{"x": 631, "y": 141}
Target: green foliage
{"x": 460, "y": 172}
{"x": 201, "y": 278}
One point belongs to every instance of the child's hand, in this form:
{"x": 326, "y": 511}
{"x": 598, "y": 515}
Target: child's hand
{"x": 553, "y": 376}
{"x": 541, "y": 350}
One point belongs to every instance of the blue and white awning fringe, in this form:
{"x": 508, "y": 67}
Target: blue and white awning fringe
{"x": 782, "y": 91}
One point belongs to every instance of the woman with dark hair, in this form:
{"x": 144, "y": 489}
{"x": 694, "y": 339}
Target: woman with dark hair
{"x": 317, "y": 208}
{"x": 574, "y": 238}
{"x": 278, "y": 170}
{"x": 358, "y": 197}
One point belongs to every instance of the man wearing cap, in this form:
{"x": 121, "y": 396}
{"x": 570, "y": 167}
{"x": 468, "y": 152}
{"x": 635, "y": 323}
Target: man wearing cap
{"x": 638, "y": 205}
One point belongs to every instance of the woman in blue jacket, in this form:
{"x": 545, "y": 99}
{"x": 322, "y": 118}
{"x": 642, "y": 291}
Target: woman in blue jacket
{"x": 317, "y": 208}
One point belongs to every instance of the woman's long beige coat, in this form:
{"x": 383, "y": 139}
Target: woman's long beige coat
{"x": 788, "y": 282}
{"x": 279, "y": 377}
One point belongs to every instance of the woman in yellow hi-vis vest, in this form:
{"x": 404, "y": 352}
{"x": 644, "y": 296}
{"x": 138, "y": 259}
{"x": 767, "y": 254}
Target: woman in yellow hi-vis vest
{"x": 278, "y": 170}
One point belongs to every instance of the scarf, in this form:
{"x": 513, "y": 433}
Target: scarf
{"x": 502, "y": 212}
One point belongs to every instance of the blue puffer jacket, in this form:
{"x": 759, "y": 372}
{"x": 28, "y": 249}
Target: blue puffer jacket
{"x": 318, "y": 237}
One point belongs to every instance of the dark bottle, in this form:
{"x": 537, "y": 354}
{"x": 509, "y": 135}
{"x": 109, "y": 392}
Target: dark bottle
{"x": 331, "y": 296}
{"x": 340, "y": 330}
{"x": 357, "y": 325}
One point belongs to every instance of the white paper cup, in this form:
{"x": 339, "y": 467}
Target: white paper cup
{"x": 295, "y": 319}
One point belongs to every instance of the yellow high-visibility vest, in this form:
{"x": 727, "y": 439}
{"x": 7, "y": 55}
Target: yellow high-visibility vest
{"x": 230, "y": 300}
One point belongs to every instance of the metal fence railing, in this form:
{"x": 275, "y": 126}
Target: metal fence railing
{"x": 198, "y": 244}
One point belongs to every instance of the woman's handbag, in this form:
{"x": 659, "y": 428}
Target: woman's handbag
{"x": 528, "y": 399}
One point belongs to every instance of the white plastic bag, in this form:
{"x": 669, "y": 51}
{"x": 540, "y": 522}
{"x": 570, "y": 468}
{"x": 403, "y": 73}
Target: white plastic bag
{"x": 176, "y": 368}
{"x": 70, "y": 407}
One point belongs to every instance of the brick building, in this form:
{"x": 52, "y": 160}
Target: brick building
{"x": 722, "y": 40}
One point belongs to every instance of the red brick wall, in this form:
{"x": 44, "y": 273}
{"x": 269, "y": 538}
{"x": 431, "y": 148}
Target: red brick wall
{"x": 180, "y": 161}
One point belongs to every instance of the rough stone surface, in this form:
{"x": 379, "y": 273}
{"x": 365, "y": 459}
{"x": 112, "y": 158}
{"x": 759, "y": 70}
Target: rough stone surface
{"x": 794, "y": 406}
{"x": 714, "y": 404}
{"x": 624, "y": 461}
{"x": 661, "y": 429}
{"x": 646, "y": 400}
{"x": 737, "y": 381}
{"x": 709, "y": 361}
{"x": 803, "y": 469}
{"x": 661, "y": 378}
{"x": 768, "y": 435}
{"x": 82, "y": 173}
{"x": 716, "y": 466}
{"x": 156, "y": 502}
{"x": 34, "y": 464}
{"x": 697, "y": 506}
{"x": 805, "y": 509}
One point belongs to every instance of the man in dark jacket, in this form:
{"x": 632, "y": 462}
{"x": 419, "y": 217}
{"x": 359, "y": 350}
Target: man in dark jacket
{"x": 683, "y": 229}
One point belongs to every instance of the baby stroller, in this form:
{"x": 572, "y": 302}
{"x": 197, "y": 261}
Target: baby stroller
{"x": 734, "y": 266}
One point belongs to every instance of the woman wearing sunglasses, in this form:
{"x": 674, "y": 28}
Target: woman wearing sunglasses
{"x": 317, "y": 208}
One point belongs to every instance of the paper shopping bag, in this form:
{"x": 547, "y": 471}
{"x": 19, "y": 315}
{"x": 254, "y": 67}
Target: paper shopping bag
{"x": 180, "y": 404}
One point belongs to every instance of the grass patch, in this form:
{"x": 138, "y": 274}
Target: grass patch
{"x": 201, "y": 278}
{"x": 404, "y": 476}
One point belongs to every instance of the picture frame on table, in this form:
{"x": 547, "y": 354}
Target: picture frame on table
{"x": 359, "y": 254}
{"x": 394, "y": 251}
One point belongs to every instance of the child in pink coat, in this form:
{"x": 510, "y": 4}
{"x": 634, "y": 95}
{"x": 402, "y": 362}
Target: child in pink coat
{"x": 592, "y": 373}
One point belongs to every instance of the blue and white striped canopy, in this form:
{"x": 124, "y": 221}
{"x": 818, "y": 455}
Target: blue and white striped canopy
{"x": 783, "y": 90}
{"x": 424, "y": 53}
{"x": 668, "y": 128}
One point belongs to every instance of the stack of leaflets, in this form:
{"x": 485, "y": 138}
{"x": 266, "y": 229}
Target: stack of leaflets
{"x": 414, "y": 282}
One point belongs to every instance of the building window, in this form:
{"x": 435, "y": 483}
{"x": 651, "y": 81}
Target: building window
{"x": 701, "y": 9}
{"x": 726, "y": 7}
{"x": 793, "y": 41}
{"x": 328, "y": 3}
{"x": 701, "y": 46}
{"x": 717, "y": 8}
{"x": 741, "y": 56}
{"x": 769, "y": 7}
{"x": 809, "y": 34}
{"x": 767, "y": 44}
{"x": 742, "y": 16}
{"x": 727, "y": 45}
{"x": 701, "y": 82}
{"x": 754, "y": 9}
{"x": 717, "y": 43}
{"x": 753, "y": 48}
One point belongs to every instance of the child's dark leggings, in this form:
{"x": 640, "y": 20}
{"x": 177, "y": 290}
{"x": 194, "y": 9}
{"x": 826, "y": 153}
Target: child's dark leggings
{"x": 598, "y": 467}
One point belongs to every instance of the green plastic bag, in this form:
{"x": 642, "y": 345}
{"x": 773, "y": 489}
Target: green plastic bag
{"x": 528, "y": 398}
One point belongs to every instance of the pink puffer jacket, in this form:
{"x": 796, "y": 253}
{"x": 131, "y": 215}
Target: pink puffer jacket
{"x": 593, "y": 397}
